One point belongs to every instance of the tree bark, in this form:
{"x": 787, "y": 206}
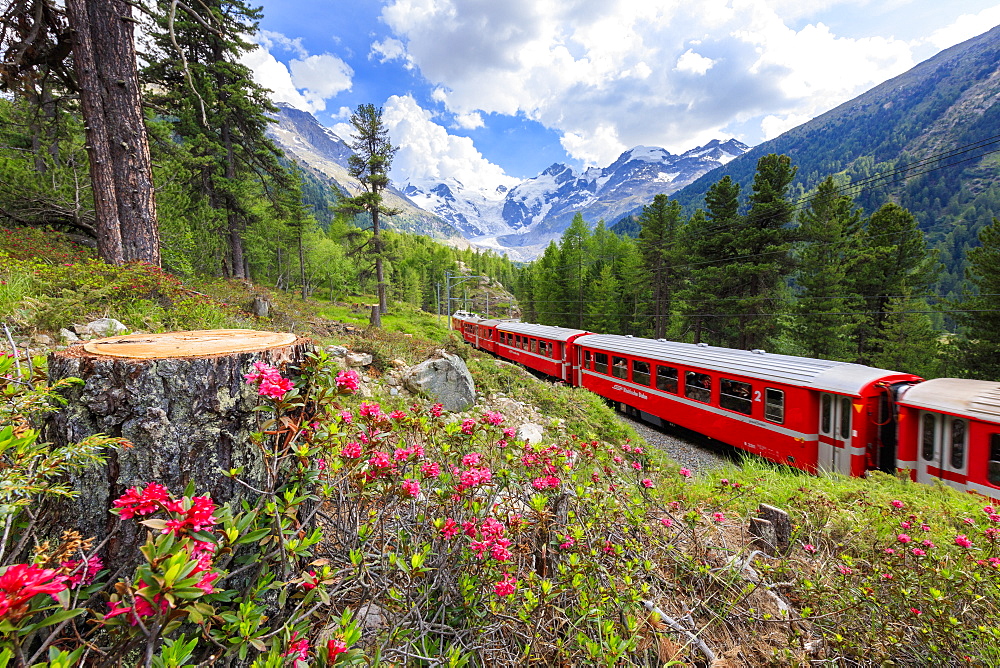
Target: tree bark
{"x": 188, "y": 415}
{"x": 104, "y": 53}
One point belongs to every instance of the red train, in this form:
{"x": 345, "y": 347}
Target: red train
{"x": 808, "y": 413}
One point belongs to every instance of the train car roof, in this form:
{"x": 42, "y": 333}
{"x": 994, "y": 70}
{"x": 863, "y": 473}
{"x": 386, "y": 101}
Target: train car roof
{"x": 541, "y": 331}
{"x": 488, "y": 323}
{"x": 826, "y": 375}
{"x": 977, "y": 399}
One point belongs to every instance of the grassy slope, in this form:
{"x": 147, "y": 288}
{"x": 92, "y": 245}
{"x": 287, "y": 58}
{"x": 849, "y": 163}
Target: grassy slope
{"x": 852, "y": 571}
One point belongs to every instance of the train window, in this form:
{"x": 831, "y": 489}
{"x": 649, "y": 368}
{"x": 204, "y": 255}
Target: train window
{"x": 586, "y": 359}
{"x": 601, "y": 362}
{"x": 534, "y": 345}
{"x": 825, "y": 414}
{"x": 524, "y": 343}
{"x": 735, "y": 395}
{"x": 640, "y": 372}
{"x": 845, "y": 417}
{"x": 927, "y": 437}
{"x": 993, "y": 465}
{"x": 957, "y": 444}
{"x": 619, "y": 367}
{"x": 698, "y": 386}
{"x": 666, "y": 379}
{"x": 774, "y": 405}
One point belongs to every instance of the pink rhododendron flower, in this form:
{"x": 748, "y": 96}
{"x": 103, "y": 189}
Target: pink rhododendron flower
{"x": 505, "y": 587}
{"x": 351, "y": 450}
{"x": 471, "y": 459}
{"x": 500, "y": 552}
{"x": 917, "y": 552}
{"x": 545, "y": 482}
{"x": 844, "y": 570}
{"x": 335, "y": 646}
{"x": 568, "y": 543}
{"x": 962, "y": 540}
{"x": 637, "y": 466}
{"x": 928, "y": 544}
{"x": 436, "y": 410}
{"x": 135, "y": 502}
{"x": 718, "y": 517}
{"x": 80, "y": 573}
{"x": 479, "y": 547}
{"x": 401, "y": 454}
{"x": 809, "y": 547}
{"x": 297, "y": 649}
{"x": 310, "y": 580}
{"x": 667, "y": 522}
{"x": 968, "y": 520}
{"x": 493, "y": 417}
{"x": 397, "y": 415}
{"x": 348, "y": 381}
{"x": 380, "y": 460}
{"x": 508, "y": 432}
{"x": 468, "y": 426}
{"x": 492, "y": 528}
{"x": 896, "y": 503}
{"x": 370, "y": 410}
{"x": 22, "y": 582}
{"x": 646, "y": 482}
{"x": 450, "y": 528}
{"x": 411, "y": 487}
{"x": 346, "y": 416}
{"x": 903, "y": 538}
{"x": 686, "y": 472}
{"x": 430, "y": 469}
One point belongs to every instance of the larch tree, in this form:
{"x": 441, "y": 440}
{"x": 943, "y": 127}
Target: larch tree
{"x": 370, "y": 164}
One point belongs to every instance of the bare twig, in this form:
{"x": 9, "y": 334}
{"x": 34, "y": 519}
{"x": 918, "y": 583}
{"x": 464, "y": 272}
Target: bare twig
{"x": 677, "y": 626}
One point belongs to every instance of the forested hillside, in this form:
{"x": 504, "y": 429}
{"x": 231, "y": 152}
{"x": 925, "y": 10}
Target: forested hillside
{"x": 926, "y": 140}
{"x": 228, "y": 203}
{"x": 759, "y": 267}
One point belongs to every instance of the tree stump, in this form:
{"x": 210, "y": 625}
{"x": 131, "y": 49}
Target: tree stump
{"x": 181, "y": 400}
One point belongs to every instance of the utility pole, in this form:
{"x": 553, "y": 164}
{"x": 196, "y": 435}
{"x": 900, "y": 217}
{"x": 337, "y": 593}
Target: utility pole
{"x": 451, "y": 280}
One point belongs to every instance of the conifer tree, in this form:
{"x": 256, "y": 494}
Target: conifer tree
{"x": 908, "y": 339}
{"x": 764, "y": 247}
{"x": 660, "y": 224}
{"x": 604, "y": 304}
{"x": 220, "y": 115}
{"x": 829, "y": 229}
{"x": 709, "y": 242}
{"x": 980, "y": 314}
{"x": 370, "y": 164}
{"x": 894, "y": 263}
{"x": 573, "y": 270}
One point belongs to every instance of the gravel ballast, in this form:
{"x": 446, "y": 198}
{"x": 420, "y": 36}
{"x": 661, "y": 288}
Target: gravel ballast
{"x": 698, "y": 457}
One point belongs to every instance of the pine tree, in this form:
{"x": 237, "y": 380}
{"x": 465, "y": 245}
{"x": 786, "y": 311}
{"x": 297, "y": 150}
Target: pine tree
{"x": 604, "y": 305}
{"x": 708, "y": 240}
{"x": 980, "y": 314}
{"x": 573, "y": 266}
{"x": 909, "y": 342}
{"x": 829, "y": 229}
{"x": 370, "y": 164}
{"x": 895, "y": 263}
{"x": 659, "y": 225}
{"x": 220, "y": 115}
{"x": 764, "y": 246}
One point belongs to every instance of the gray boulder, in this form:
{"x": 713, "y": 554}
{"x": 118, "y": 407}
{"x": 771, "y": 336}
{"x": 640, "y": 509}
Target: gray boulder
{"x": 107, "y": 327}
{"x": 530, "y": 433}
{"x": 443, "y": 378}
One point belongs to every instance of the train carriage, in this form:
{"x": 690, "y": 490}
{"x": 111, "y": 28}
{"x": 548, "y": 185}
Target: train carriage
{"x": 808, "y": 413}
{"x": 486, "y": 335}
{"x": 544, "y": 348}
{"x": 951, "y": 431}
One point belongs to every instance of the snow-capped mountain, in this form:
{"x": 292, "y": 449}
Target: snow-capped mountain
{"x": 522, "y": 220}
{"x": 519, "y": 221}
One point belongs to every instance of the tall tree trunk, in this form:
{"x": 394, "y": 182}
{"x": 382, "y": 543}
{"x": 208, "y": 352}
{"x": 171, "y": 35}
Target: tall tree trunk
{"x": 379, "y": 273}
{"x": 232, "y": 216}
{"x": 114, "y": 48}
{"x": 109, "y": 240}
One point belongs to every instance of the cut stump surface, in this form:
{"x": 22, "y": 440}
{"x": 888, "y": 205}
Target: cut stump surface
{"x": 181, "y": 400}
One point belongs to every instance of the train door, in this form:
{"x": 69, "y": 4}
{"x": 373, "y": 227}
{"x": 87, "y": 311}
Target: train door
{"x": 835, "y": 433}
{"x": 944, "y": 441}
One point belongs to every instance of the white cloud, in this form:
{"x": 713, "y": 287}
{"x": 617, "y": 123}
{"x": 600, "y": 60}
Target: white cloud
{"x": 772, "y": 125}
{"x": 965, "y": 27}
{"x": 307, "y": 82}
{"x": 693, "y": 63}
{"x": 321, "y": 77}
{"x": 269, "y": 73}
{"x": 390, "y": 49}
{"x": 428, "y": 153}
{"x": 469, "y": 121}
{"x": 611, "y": 74}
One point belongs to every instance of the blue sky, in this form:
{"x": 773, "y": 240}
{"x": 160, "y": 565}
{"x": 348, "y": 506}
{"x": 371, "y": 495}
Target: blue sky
{"x": 489, "y": 92}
